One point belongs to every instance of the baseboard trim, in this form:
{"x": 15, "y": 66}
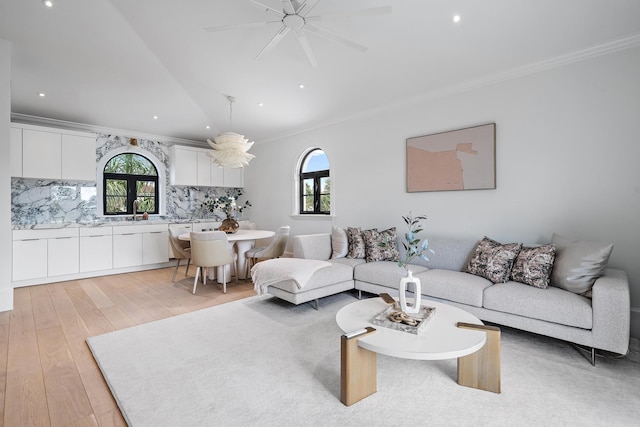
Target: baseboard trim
{"x": 635, "y": 322}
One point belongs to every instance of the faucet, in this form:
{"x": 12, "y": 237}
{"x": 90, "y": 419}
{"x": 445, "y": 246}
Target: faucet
{"x": 135, "y": 209}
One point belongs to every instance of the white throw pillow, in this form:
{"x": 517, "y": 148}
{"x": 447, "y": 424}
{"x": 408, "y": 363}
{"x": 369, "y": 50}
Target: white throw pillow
{"x": 339, "y": 243}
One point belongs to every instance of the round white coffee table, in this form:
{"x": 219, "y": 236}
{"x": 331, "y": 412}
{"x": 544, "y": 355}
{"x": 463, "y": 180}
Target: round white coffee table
{"x": 441, "y": 338}
{"x": 450, "y": 333}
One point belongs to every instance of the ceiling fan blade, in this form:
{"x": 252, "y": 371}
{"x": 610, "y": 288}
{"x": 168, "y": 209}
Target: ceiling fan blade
{"x": 305, "y": 9}
{"x": 237, "y": 26}
{"x": 304, "y": 42}
{"x": 370, "y": 11}
{"x": 288, "y": 8}
{"x": 330, "y": 35}
{"x": 274, "y": 41}
{"x": 301, "y": 5}
{"x": 268, "y": 8}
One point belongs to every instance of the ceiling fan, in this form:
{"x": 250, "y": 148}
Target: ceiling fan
{"x": 296, "y": 16}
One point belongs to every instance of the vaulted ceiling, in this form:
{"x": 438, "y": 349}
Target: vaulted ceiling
{"x": 118, "y": 63}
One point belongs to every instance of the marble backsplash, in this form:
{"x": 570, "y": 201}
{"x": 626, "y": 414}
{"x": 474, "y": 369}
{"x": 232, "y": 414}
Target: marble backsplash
{"x": 41, "y": 201}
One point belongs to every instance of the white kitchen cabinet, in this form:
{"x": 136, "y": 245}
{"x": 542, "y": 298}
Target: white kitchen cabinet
{"x": 194, "y": 166}
{"x": 183, "y": 166}
{"x": 29, "y": 258}
{"x": 15, "y": 150}
{"x": 217, "y": 175}
{"x": 63, "y": 254}
{"x": 127, "y": 246}
{"x": 135, "y": 245}
{"x": 96, "y": 249}
{"x": 205, "y": 226}
{"x": 49, "y": 153}
{"x": 41, "y": 154}
{"x": 154, "y": 247}
{"x": 233, "y": 177}
{"x": 205, "y": 164}
{"x": 78, "y": 158}
{"x": 44, "y": 253}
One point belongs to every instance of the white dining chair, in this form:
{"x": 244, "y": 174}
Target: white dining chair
{"x": 275, "y": 249}
{"x": 181, "y": 249}
{"x": 210, "y": 249}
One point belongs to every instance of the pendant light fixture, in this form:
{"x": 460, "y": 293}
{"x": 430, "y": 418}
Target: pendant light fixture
{"x": 229, "y": 148}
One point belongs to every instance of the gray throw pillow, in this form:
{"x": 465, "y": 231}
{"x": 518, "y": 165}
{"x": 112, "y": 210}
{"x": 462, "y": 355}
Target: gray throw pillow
{"x": 578, "y": 263}
{"x": 533, "y": 266}
{"x": 493, "y": 260}
{"x": 339, "y": 243}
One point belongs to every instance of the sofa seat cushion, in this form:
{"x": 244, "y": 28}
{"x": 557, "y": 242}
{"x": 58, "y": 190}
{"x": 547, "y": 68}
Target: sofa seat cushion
{"x": 551, "y": 304}
{"x": 384, "y": 273}
{"x": 456, "y": 286}
{"x": 337, "y": 273}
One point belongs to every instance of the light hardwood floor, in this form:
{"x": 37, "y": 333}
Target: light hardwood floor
{"x": 47, "y": 374}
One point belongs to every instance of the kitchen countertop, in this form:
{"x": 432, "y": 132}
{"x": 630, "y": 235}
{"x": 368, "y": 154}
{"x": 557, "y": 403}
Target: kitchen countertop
{"x": 111, "y": 223}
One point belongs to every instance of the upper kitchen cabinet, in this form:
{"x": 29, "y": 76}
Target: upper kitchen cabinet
{"x": 15, "y": 150}
{"x": 41, "y": 154}
{"x": 78, "y": 157}
{"x": 233, "y": 177}
{"x": 183, "y": 166}
{"x": 193, "y": 166}
{"x": 48, "y": 153}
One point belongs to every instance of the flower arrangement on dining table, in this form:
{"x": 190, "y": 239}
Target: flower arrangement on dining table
{"x": 227, "y": 203}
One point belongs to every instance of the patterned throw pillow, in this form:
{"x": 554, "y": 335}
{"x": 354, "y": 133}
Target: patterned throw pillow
{"x": 533, "y": 266}
{"x": 493, "y": 260}
{"x": 356, "y": 243}
{"x": 381, "y": 245}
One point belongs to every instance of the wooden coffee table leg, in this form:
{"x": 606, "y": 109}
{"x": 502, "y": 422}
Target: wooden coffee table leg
{"x": 357, "y": 368}
{"x": 481, "y": 369}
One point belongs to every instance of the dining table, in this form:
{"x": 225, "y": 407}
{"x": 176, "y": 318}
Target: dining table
{"x": 242, "y": 240}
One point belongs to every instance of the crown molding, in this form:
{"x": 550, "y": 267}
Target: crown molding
{"x": 80, "y": 127}
{"x": 627, "y": 42}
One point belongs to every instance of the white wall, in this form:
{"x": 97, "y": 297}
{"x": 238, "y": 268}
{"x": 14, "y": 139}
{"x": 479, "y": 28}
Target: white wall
{"x": 568, "y": 153}
{"x": 6, "y": 290}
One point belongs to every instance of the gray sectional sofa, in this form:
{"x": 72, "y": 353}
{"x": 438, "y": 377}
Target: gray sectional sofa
{"x": 599, "y": 322}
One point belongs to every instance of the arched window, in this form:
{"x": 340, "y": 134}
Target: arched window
{"x": 128, "y": 177}
{"x": 315, "y": 183}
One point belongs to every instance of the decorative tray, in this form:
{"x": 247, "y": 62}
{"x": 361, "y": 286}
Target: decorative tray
{"x": 393, "y": 318}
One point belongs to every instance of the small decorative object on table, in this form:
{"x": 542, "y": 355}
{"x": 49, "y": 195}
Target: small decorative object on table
{"x": 228, "y": 205}
{"x": 413, "y": 249}
{"x": 393, "y": 318}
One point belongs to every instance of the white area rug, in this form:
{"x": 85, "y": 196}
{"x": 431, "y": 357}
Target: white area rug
{"x": 265, "y": 362}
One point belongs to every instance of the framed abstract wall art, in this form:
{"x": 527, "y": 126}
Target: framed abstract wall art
{"x": 463, "y": 159}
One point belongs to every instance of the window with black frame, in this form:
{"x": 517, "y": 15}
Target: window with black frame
{"x": 315, "y": 183}
{"x": 129, "y": 177}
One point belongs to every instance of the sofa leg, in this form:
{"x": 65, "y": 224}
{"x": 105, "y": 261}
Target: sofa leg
{"x": 593, "y": 356}
{"x": 359, "y": 294}
{"x": 314, "y": 304}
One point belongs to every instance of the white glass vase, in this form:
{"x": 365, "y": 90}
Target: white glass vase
{"x": 404, "y": 284}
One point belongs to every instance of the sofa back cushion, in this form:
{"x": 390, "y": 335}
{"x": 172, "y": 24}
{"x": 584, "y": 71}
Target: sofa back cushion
{"x": 312, "y": 246}
{"x": 450, "y": 254}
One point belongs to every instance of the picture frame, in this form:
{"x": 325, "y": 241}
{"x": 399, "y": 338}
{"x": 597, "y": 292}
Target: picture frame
{"x": 462, "y": 159}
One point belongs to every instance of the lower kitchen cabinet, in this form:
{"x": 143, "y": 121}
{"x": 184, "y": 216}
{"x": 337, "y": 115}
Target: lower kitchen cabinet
{"x": 63, "y": 255}
{"x": 96, "y": 249}
{"x": 29, "y": 259}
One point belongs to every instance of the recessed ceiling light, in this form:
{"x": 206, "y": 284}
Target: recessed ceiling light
{"x": 456, "y": 18}
{"x": 301, "y": 86}
{"x": 208, "y": 127}
{"x": 155, "y": 117}
{"x": 41, "y": 94}
{"x": 47, "y": 3}
{"x": 260, "y": 104}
